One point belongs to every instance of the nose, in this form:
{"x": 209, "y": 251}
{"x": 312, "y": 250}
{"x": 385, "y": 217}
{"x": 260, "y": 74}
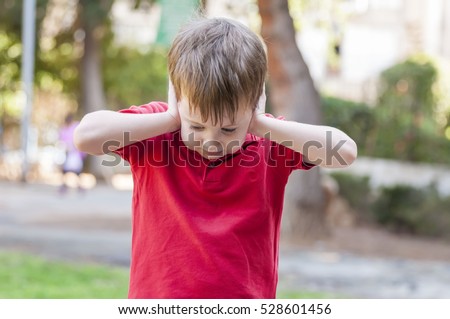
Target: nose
{"x": 211, "y": 143}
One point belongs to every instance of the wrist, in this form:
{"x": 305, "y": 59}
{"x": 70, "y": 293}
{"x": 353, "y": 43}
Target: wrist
{"x": 173, "y": 121}
{"x": 259, "y": 125}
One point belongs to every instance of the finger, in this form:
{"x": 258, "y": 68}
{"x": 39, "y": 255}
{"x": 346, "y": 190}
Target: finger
{"x": 172, "y": 98}
{"x": 261, "y": 108}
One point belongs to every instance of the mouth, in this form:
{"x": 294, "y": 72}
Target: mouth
{"x": 212, "y": 154}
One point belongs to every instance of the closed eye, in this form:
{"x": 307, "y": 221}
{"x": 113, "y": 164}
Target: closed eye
{"x": 228, "y": 130}
{"x": 197, "y": 128}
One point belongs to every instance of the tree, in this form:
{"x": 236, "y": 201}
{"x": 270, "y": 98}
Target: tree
{"x": 92, "y": 17}
{"x": 10, "y": 65}
{"x": 292, "y": 93}
{"x": 69, "y": 50}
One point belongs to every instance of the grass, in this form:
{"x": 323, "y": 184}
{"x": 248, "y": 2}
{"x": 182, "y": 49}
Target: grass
{"x": 27, "y": 277}
{"x": 30, "y": 277}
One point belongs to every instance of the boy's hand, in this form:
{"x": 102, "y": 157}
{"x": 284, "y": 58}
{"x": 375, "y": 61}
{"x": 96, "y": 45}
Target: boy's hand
{"x": 259, "y": 111}
{"x": 173, "y": 105}
{"x": 261, "y": 107}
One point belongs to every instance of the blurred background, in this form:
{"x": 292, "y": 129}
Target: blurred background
{"x": 377, "y": 69}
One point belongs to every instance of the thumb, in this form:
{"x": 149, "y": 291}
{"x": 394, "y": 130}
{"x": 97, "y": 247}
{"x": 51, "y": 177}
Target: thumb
{"x": 172, "y": 98}
{"x": 261, "y": 107}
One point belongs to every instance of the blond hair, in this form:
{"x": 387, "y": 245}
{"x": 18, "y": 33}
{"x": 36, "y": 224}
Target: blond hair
{"x": 217, "y": 64}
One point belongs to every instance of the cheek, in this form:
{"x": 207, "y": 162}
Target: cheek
{"x": 191, "y": 138}
{"x": 235, "y": 141}
{"x": 187, "y": 136}
{"x": 184, "y": 133}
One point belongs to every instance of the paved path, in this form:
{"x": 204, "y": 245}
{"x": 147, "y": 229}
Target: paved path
{"x": 96, "y": 227}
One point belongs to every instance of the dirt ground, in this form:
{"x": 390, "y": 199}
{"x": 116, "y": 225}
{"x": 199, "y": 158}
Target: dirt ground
{"x": 348, "y": 235}
{"x": 370, "y": 241}
{"x": 67, "y": 213}
{"x": 359, "y": 240}
{"x": 356, "y": 261}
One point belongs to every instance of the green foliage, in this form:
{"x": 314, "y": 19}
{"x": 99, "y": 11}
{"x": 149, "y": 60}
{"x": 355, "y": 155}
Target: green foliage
{"x": 407, "y": 87}
{"x": 11, "y": 14}
{"x": 133, "y": 78}
{"x": 10, "y": 53}
{"x": 356, "y": 190}
{"x": 27, "y": 277}
{"x": 55, "y": 68}
{"x": 94, "y": 13}
{"x": 405, "y": 110}
{"x": 403, "y": 208}
{"x": 356, "y": 119}
{"x": 139, "y": 3}
{"x": 403, "y": 125}
{"x": 399, "y": 208}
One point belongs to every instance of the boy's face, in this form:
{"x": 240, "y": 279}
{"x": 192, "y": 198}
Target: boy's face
{"x": 213, "y": 141}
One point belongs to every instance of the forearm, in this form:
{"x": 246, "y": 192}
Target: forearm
{"x": 105, "y": 131}
{"x": 320, "y": 145}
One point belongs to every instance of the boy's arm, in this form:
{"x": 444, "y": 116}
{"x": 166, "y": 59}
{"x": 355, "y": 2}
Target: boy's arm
{"x": 323, "y": 146}
{"x": 102, "y": 132}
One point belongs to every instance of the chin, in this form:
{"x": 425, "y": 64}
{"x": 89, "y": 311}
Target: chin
{"x": 213, "y": 156}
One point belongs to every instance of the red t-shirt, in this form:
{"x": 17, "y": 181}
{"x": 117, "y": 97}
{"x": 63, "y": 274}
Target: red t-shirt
{"x": 206, "y": 229}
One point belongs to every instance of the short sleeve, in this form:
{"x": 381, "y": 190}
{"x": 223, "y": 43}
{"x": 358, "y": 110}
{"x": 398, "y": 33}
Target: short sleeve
{"x": 134, "y": 151}
{"x": 283, "y": 156}
{"x": 289, "y": 158}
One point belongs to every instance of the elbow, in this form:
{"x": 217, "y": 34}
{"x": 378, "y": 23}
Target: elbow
{"x": 341, "y": 154}
{"x": 346, "y": 155}
{"x": 84, "y": 138}
{"x": 350, "y": 152}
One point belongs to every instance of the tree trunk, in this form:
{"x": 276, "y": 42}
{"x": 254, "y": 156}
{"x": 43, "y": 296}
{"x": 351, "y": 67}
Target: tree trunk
{"x": 93, "y": 96}
{"x": 92, "y": 91}
{"x": 292, "y": 93}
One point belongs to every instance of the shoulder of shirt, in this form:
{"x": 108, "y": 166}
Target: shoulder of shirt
{"x": 151, "y": 107}
{"x": 257, "y": 141}
{"x": 250, "y": 138}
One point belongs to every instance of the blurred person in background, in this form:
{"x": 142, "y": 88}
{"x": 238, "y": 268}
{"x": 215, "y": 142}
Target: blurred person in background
{"x": 74, "y": 159}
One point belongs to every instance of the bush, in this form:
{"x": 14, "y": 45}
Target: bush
{"x": 407, "y": 128}
{"x": 399, "y": 208}
{"x": 356, "y": 119}
{"x": 134, "y": 78}
{"x": 403, "y": 125}
{"x": 415, "y": 211}
{"x": 356, "y": 190}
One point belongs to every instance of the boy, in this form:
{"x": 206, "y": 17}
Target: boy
{"x": 209, "y": 169}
